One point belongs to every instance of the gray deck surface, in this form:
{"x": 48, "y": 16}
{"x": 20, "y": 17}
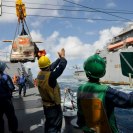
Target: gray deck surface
{"x": 29, "y": 112}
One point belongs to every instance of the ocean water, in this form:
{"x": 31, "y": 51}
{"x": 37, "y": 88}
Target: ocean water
{"x": 124, "y": 117}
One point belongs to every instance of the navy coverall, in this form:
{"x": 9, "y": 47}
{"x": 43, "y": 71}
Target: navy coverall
{"x": 6, "y": 106}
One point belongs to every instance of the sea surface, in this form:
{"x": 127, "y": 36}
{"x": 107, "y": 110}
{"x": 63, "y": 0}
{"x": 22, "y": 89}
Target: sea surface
{"x": 124, "y": 116}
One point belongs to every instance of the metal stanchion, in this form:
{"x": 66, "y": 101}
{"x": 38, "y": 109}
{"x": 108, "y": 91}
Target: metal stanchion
{"x": 69, "y": 113}
{"x": 130, "y": 80}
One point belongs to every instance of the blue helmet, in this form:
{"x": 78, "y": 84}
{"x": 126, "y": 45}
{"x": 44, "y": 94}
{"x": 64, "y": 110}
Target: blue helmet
{"x": 2, "y": 66}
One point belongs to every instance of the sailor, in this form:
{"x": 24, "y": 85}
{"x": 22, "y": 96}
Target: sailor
{"x": 95, "y": 68}
{"x": 6, "y": 105}
{"x": 50, "y": 90}
{"x": 22, "y": 84}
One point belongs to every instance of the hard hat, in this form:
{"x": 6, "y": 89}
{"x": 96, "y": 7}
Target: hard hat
{"x": 43, "y": 62}
{"x": 2, "y": 66}
{"x": 95, "y": 66}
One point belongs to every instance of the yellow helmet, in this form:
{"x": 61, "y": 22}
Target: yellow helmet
{"x": 43, "y": 62}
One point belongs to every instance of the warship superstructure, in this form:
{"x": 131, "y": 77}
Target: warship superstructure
{"x": 16, "y": 69}
{"x": 118, "y": 54}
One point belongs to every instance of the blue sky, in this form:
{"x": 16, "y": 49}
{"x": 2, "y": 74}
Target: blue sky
{"x": 80, "y": 26}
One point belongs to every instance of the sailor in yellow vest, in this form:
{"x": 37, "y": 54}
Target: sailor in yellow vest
{"x": 50, "y": 90}
{"x": 95, "y": 68}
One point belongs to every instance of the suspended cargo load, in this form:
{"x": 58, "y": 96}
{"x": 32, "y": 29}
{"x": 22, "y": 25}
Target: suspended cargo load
{"x": 23, "y": 49}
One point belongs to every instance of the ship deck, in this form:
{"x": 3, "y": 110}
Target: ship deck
{"x": 29, "y": 112}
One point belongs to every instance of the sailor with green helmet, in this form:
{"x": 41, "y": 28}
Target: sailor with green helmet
{"x": 95, "y": 68}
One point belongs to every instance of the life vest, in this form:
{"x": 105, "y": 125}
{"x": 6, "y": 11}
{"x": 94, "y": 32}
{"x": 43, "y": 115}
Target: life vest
{"x": 95, "y": 116}
{"x": 95, "y": 90}
{"x": 50, "y": 96}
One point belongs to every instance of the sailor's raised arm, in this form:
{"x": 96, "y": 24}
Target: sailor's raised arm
{"x": 119, "y": 99}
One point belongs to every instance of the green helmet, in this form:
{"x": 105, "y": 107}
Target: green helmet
{"x": 95, "y": 66}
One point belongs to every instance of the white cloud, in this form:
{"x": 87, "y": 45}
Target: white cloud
{"x": 5, "y": 52}
{"x": 54, "y": 35}
{"x": 36, "y": 36}
{"x": 74, "y": 47}
{"x": 90, "y": 21}
{"x": 35, "y": 24}
{"x": 104, "y": 37}
{"x": 52, "y": 40}
{"x": 111, "y": 4}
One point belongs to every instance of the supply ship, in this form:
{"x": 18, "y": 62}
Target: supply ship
{"x": 118, "y": 54}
